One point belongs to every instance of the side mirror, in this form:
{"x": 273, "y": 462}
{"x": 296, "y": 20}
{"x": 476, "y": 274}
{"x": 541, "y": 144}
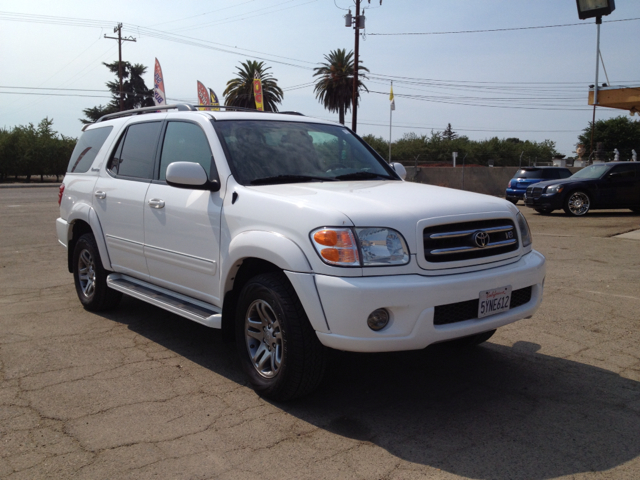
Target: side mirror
{"x": 190, "y": 175}
{"x": 400, "y": 170}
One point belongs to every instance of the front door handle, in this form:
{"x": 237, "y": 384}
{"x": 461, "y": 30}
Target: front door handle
{"x": 156, "y": 203}
{"x": 100, "y": 194}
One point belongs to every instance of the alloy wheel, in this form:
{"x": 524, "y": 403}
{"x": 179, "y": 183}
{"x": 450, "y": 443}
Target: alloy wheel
{"x": 87, "y": 273}
{"x": 578, "y": 203}
{"x": 263, "y": 337}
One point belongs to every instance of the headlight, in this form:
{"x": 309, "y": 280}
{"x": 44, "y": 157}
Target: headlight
{"x": 525, "y": 233}
{"x": 553, "y": 189}
{"x": 368, "y": 247}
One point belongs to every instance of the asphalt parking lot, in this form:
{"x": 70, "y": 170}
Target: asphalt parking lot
{"x": 141, "y": 393}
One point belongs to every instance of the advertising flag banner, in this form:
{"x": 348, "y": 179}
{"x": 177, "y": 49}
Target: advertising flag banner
{"x": 214, "y": 100}
{"x": 203, "y": 96}
{"x": 159, "y": 97}
{"x": 392, "y": 100}
{"x": 257, "y": 93}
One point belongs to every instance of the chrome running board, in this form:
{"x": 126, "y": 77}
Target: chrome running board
{"x": 196, "y": 310}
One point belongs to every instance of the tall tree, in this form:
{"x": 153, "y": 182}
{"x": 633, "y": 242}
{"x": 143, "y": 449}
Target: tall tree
{"x": 449, "y": 134}
{"x": 239, "y": 91}
{"x": 135, "y": 92}
{"x": 619, "y": 132}
{"x": 334, "y": 86}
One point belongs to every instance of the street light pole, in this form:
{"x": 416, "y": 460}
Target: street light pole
{"x": 595, "y": 87}
{"x": 354, "y": 118}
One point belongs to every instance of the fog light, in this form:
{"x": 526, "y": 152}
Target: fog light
{"x": 378, "y": 319}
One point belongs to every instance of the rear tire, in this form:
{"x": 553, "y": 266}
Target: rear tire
{"x": 471, "y": 340}
{"x": 279, "y": 350}
{"x": 90, "y": 277}
{"x": 513, "y": 200}
{"x": 577, "y": 203}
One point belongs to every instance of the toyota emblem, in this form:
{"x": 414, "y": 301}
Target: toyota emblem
{"x": 481, "y": 239}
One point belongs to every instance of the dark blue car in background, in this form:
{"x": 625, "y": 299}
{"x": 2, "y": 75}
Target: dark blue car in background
{"x": 529, "y": 175}
{"x": 602, "y": 185}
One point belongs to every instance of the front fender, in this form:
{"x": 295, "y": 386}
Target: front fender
{"x": 272, "y": 247}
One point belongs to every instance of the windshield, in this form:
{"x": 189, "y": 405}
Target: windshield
{"x": 262, "y": 152}
{"x": 593, "y": 171}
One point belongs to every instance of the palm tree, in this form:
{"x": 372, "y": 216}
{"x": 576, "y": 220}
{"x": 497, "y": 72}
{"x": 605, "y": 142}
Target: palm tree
{"x": 239, "y": 91}
{"x": 334, "y": 88}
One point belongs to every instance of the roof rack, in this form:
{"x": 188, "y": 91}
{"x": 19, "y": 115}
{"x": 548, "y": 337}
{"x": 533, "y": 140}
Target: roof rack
{"x": 136, "y": 111}
{"x": 183, "y": 107}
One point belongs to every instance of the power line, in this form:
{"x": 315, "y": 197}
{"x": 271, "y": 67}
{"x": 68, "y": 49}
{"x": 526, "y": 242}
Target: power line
{"x": 200, "y": 14}
{"x": 244, "y": 16}
{"x": 469, "y": 129}
{"x": 500, "y": 29}
{"x": 425, "y": 98}
{"x": 53, "y": 94}
{"x": 65, "y": 89}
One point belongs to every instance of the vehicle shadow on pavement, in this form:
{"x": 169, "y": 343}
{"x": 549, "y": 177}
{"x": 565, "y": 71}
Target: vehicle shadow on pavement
{"x": 491, "y": 412}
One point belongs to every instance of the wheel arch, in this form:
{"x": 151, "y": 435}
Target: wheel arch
{"x": 85, "y": 220}
{"x": 253, "y": 253}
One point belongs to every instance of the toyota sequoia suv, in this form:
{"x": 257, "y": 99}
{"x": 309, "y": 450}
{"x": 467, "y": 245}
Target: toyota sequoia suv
{"x": 290, "y": 233}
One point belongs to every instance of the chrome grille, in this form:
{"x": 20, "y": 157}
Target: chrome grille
{"x": 534, "y": 192}
{"x": 469, "y": 240}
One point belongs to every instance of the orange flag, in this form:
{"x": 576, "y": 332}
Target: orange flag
{"x": 257, "y": 93}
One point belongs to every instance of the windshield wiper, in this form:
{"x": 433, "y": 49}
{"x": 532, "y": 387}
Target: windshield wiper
{"x": 363, "y": 176}
{"x": 290, "y": 179}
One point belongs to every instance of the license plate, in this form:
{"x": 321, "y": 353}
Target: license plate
{"x": 494, "y": 301}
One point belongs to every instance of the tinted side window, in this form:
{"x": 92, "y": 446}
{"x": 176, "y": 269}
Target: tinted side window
{"x": 623, "y": 171}
{"x": 185, "y": 142}
{"x": 88, "y": 146}
{"x": 135, "y": 154}
{"x": 565, "y": 173}
{"x": 550, "y": 174}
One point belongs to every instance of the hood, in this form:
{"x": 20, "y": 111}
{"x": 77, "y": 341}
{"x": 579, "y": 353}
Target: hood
{"x": 388, "y": 203}
{"x": 562, "y": 181}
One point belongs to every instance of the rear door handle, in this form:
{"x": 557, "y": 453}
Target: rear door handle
{"x": 100, "y": 194}
{"x": 156, "y": 203}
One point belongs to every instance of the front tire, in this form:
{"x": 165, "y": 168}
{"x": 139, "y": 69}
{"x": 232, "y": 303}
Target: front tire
{"x": 279, "y": 350}
{"x": 577, "y": 203}
{"x": 90, "y": 277}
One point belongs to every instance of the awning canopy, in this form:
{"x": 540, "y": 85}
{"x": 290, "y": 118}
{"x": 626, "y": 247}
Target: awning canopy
{"x": 623, "y": 98}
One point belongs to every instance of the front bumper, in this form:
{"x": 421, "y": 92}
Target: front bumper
{"x": 544, "y": 201}
{"x": 411, "y": 301}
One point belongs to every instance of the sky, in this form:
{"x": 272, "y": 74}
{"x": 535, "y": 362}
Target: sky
{"x": 507, "y": 81}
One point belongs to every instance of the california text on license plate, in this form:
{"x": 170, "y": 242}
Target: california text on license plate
{"x": 494, "y": 301}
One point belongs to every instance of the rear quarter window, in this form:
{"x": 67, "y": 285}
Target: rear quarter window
{"x": 529, "y": 173}
{"x": 88, "y": 146}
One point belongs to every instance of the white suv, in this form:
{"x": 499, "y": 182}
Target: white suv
{"x": 290, "y": 232}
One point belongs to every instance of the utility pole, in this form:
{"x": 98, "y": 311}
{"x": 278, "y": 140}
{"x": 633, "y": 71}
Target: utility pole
{"x": 357, "y": 22}
{"x": 120, "y": 40}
